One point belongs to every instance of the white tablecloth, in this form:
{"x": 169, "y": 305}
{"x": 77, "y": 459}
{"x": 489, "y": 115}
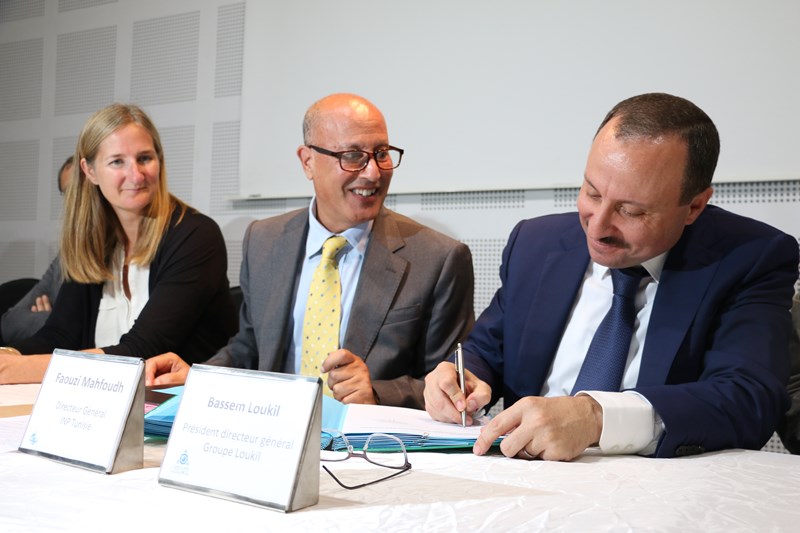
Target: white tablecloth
{"x": 728, "y": 491}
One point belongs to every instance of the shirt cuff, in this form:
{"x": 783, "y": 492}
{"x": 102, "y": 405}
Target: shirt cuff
{"x": 629, "y": 423}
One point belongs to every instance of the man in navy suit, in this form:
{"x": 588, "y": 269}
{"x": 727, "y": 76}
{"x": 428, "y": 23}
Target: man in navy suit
{"x": 708, "y": 358}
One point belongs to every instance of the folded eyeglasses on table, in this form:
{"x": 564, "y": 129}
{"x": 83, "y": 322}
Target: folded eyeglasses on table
{"x": 380, "y": 449}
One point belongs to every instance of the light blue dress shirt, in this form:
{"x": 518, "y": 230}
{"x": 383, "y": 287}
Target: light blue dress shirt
{"x": 350, "y": 259}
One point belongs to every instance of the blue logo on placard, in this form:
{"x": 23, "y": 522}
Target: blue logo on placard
{"x": 181, "y": 466}
{"x": 34, "y": 439}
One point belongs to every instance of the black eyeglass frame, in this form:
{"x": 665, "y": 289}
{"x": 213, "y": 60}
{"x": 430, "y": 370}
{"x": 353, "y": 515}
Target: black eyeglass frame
{"x": 405, "y": 467}
{"x": 373, "y": 154}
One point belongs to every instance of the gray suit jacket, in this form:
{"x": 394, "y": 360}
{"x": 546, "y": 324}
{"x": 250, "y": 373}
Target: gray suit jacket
{"x": 414, "y": 301}
{"x": 789, "y": 429}
{"x": 19, "y": 322}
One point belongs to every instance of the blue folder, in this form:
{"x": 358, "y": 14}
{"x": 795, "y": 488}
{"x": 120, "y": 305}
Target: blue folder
{"x": 158, "y": 422}
{"x": 334, "y": 416}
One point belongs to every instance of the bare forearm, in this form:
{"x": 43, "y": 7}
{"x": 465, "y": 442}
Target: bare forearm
{"x": 16, "y": 368}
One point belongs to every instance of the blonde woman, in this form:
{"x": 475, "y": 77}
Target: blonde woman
{"x": 144, "y": 273}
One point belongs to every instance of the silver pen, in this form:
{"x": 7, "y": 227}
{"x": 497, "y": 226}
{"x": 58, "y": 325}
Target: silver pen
{"x": 460, "y": 371}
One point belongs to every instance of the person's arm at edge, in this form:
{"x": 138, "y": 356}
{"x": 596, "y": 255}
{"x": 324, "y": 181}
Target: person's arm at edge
{"x": 789, "y": 430}
{"x": 19, "y": 322}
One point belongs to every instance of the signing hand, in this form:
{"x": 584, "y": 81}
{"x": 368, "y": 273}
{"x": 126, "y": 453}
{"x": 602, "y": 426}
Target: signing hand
{"x": 165, "y": 369}
{"x": 555, "y": 429}
{"x": 444, "y": 400}
{"x": 42, "y": 303}
{"x": 348, "y": 377}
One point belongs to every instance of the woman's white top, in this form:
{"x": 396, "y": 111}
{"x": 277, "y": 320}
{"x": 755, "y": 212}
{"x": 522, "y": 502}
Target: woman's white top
{"x": 117, "y": 313}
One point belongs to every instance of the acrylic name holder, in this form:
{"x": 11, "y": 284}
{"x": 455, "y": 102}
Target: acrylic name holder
{"x": 89, "y": 412}
{"x": 247, "y": 436}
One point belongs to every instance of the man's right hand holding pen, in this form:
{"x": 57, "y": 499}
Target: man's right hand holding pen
{"x": 444, "y": 400}
{"x": 557, "y": 428}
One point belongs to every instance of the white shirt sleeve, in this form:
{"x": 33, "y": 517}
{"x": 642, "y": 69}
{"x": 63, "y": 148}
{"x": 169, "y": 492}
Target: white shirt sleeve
{"x": 630, "y": 424}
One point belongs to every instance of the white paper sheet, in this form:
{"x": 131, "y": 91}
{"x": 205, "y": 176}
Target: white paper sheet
{"x": 11, "y": 431}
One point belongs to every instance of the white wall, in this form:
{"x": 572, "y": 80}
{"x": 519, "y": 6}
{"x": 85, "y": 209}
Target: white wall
{"x": 182, "y": 60}
{"x": 526, "y": 82}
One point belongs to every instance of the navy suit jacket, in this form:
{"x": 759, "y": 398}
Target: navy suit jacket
{"x": 715, "y": 360}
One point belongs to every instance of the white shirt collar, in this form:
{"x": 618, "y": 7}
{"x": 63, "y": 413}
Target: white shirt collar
{"x": 653, "y": 266}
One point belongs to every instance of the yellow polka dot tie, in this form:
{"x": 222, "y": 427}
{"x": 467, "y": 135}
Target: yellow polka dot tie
{"x": 323, "y": 312}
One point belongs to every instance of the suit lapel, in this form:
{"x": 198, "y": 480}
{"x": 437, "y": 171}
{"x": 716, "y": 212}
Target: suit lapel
{"x": 283, "y": 264}
{"x": 552, "y": 303}
{"x": 687, "y": 274}
{"x": 378, "y": 284}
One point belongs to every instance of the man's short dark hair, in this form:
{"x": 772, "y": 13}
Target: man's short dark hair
{"x": 656, "y": 114}
{"x": 67, "y": 163}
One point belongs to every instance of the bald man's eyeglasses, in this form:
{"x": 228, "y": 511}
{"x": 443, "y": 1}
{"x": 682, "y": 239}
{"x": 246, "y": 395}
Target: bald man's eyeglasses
{"x": 357, "y": 160}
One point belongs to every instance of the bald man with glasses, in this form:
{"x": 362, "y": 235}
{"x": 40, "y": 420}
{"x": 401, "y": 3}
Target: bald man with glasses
{"x": 406, "y": 290}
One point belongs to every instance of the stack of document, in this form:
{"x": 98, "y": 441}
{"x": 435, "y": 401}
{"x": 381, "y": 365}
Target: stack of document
{"x": 158, "y": 419}
{"x": 415, "y": 428}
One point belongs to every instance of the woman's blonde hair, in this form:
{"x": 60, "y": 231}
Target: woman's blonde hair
{"x": 91, "y": 230}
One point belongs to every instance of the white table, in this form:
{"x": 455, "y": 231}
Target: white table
{"x": 735, "y": 490}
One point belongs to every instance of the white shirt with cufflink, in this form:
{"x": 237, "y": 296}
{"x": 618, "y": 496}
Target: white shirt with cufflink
{"x": 630, "y": 424}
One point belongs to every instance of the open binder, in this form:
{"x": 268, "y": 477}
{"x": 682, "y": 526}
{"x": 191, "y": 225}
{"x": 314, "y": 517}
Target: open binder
{"x": 414, "y": 427}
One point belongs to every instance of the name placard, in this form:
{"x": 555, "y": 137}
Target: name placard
{"x": 247, "y": 436}
{"x": 89, "y": 412}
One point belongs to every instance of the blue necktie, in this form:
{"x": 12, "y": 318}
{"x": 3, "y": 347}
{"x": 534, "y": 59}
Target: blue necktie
{"x": 604, "y": 364}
